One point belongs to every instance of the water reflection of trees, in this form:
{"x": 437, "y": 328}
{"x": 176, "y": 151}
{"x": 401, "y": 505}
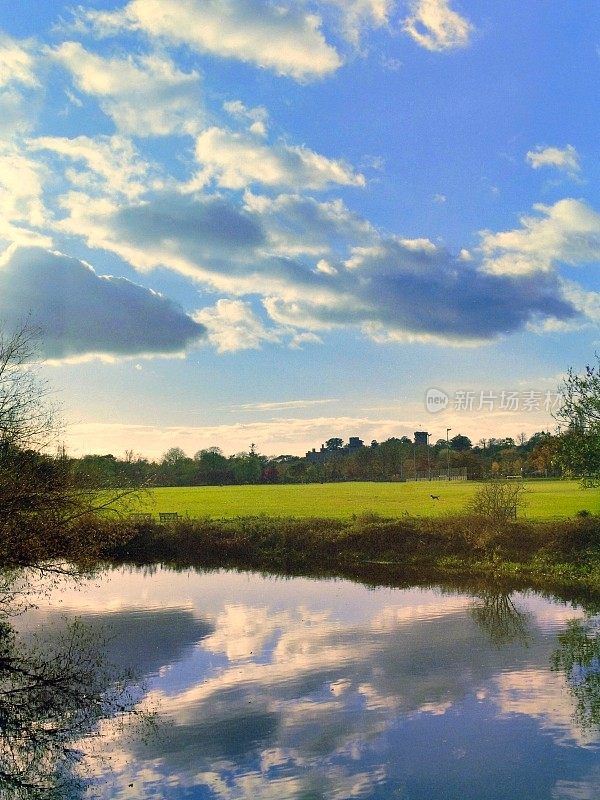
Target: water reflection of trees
{"x": 498, "y": 616}
{"x": 53, "y": 694}
{"x": 578, "y": 657}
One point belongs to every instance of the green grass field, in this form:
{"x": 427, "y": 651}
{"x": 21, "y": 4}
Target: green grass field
{"x": 552, "y": 499}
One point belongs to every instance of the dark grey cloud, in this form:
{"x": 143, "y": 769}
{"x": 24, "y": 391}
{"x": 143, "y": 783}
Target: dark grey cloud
{"x": 430, "y": 292}
{"x": 199, "y": 226}
{"x": 80, "y": 312}
{"x": 397, "y": 289}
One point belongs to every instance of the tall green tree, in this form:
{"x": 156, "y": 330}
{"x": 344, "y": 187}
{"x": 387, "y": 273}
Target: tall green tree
{"x": 578, "y": 451}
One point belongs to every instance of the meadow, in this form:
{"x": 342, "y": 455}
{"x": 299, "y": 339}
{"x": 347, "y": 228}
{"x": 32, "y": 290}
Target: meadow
{"x": 544, "y": 499}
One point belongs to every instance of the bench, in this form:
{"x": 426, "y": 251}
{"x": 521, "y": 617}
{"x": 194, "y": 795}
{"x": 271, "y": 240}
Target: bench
{"x": 141, "y": 517}
{"x": 168, "y": 516}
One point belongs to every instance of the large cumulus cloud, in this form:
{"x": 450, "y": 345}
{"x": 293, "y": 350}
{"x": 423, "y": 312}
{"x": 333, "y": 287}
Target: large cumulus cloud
{"x": 390, "y": 287}
{"x": 421, "y": 289}
{"x": 81, "y": 313}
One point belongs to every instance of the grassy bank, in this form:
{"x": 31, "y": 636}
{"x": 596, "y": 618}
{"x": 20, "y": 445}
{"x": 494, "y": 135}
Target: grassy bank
{"x": 545, "y": 499}
{"x": 547, "y": 555}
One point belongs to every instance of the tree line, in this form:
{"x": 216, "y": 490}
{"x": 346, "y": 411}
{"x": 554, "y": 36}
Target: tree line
{"x": 395, "y": 459}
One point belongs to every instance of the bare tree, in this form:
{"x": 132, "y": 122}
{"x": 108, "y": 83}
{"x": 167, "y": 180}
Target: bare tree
{"x": 53, "y": 694}
{"x": 27, "y": 419}
{"x": 43, "y": 504}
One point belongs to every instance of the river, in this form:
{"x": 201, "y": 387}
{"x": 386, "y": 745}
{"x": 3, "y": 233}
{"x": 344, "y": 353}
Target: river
{"x": 264, "y": 687}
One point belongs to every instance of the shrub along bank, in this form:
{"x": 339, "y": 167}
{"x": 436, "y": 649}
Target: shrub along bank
{"x": 538, "y": 554}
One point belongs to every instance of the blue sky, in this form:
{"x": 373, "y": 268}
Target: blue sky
{"x": 245, "y": 221}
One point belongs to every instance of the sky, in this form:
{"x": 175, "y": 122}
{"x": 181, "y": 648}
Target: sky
{"x": 243, "y": 221}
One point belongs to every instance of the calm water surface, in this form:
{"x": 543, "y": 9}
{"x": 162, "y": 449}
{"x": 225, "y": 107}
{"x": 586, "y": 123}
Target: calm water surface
{"x": 272, "y": 688}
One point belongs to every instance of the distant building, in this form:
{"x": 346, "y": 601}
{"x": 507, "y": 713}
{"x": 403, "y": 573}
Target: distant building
{"x": 323, "y": 454}
{"x": 315, "y": 456}
{"x": 421, "y": 437}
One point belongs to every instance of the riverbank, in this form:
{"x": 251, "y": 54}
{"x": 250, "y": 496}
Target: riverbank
{"x": 562, "y": 555}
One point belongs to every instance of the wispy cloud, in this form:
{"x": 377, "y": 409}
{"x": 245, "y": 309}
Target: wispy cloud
{"x": 17, "y": 62}
{"x": 564, "y": 159}
{"x": 358, "y": 16}
{"x": 283, "y": 405}
{"x": 296, "y": 435}
{"x": 257, "y": 117}
{"x": 20, "y": 86}
{"x": 145, "y": 95}
{"x": 274, "y": 436}
{"x": 106, "y": 164}
{"x": 23, "y": 215}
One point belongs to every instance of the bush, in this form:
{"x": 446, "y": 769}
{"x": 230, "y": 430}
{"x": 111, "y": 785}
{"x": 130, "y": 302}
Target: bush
{"x": 498, "y": 501}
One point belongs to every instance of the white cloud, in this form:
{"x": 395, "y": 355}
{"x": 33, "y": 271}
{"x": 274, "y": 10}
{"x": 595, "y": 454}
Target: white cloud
{"x": 299, "y": 225}
{"x": 360, "y": 15}
{"x": 587, "y": 302}
{"x": 232, "y": 326}
{"x": 257, "y": 116}
{"x": 22, "y": 210}
{"x": 539, "y": 693}
{"x": 565, "y": 159}
{"x": 568, "y": 232}
{"x": 83, "y": 314}
{"x": 242, "y": 632}
{"x": 113, "y": 165}
{"x": 282, "y": 37}
{"x": 435, "y": 26}
{"x": 17, "y": 64}
{"x": 19, "y": 86}
{"x": 282, "y": 405}
{"x": 306, "y": 337}
{"x": 145, "y": 95}
{"x": 16, "y": 113}
{"x": 236, "y": 160}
